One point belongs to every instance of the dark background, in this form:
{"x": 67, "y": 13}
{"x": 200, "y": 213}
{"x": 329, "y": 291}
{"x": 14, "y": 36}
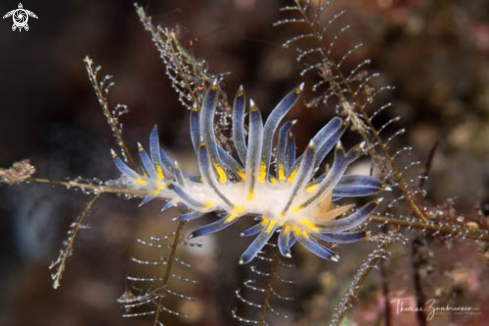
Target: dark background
{"x": 436, "y": 53}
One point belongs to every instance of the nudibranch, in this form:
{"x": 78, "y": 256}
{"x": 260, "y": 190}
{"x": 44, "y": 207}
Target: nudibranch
{"x": 263, "y": 180}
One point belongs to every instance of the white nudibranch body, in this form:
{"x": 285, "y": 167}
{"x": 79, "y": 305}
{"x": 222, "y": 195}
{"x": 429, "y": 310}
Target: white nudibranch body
{"x": 292, "y": 198}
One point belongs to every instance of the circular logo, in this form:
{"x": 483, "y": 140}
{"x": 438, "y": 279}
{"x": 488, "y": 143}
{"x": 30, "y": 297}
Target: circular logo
{"x": 20, "y": 17}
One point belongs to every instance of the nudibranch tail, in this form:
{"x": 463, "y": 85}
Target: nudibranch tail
{"x": 287, "y": 195}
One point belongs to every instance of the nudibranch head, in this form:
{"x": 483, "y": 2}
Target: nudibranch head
{"x": 290, "y": 196}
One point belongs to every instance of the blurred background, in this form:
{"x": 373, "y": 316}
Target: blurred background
{"x": 435, "y": 52}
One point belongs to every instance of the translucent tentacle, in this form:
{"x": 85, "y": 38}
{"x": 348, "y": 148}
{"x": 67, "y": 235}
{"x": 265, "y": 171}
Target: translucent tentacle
{"x": 146, "y": 200}
{"x": 284, "y": 242}
{"x": 238, "y": 124}
{"x": 255, "y": 138}
{"x": 190, "y": 216}
{"x": 231, "y": 164}
{"x": 259, "y": 242}
{"x": 331, "y": 137}
{"x": 341, "y": 237}
{"x": 283, "y": 136}
{"x": 326, "y": 186}
{"x": 168, "y": 163}
{"x": 158, "y": 155}
{"x": 195, "y": 128}
{"x": 194, "y": 178}
{"x": 206, "y": 123}
{"x": 316, "y": 248}
{"x": 213, "y": 227}
{"x": 327, "y": 131}
{"x": 290, "y": 153}
{"x": 292, "y": 240}
{"x": 149, "y": 167}
{"x": 326, "y": 145}
{"x": 188, "y": 199}
{"x": 168, "y": 205}
{"x": 254, "y": 230}
{"x": 360, "y": 180}
{"x": 179, "y": 175}
{"x": 271, "y": 126}
{"x": 127, "y": 171}
{"x": 299, "y": 181}
{"x": 208, "y": 175}
{"x": 357, "y": 185}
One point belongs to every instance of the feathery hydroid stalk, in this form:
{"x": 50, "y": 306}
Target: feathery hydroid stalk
{"x": 60, "y": 263}
{"x": 166, "y": 276}
{"x": 269, "y": 289}
{"x": 101, "y": 88}
{"x": 360, "y": 118}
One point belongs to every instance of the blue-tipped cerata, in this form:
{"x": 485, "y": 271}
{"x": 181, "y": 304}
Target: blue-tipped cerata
{"x": 261, "y": 178}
